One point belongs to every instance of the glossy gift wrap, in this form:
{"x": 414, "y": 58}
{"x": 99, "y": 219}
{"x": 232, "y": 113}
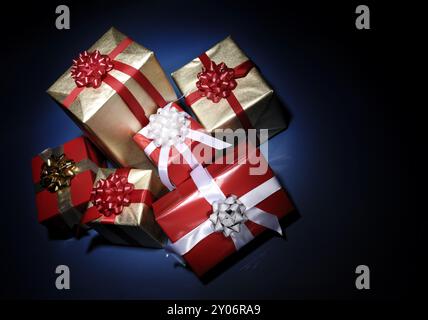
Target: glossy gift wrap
{"x": 120, "y": 208}
{"x": 220, "y": 209}
{"x": 176, "y": 143}
{"x": 63, "y": 177}
{"x": 110, "y": 90}
{"x": 226, "y": 91}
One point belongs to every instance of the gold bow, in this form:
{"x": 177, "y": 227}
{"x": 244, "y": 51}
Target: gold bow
{"x": 57, "y": 173}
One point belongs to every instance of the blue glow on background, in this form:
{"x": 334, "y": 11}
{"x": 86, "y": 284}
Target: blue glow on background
{"x": 336, "y": 159}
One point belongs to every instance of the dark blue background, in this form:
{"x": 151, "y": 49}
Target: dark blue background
{"x": 342, "y": 158}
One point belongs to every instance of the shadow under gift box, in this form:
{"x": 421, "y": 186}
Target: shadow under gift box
{"x": 112, "y": 113}
{"x": 134, "y": 224}
{"x": 184, "y": 209}
{"x": 61, "y": 210}
{"x": 251, "y": 104}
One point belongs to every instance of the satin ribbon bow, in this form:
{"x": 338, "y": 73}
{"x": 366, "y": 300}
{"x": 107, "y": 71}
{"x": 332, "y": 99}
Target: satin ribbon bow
{"x": 57, "y": 172}
{"x": 228, "y": 215}
{"x": 170, "y": 128}
{"x": 111, "y": 195}
{"x": 90, "y": 68}
{"x": 216, "y": 82}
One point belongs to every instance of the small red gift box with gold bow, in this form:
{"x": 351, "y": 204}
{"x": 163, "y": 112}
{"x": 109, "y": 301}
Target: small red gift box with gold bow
{"x": 221, "y": 209}
{"x": 176, "y": 143}
{"x": 226, "y": 91}
{"x": 120, "y": 207}
{"x": 63, "y": 179}
{"x": 109, "y": 91}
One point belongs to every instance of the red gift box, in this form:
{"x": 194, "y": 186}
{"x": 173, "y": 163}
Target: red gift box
{"x": 186, "y": 214}
{"x": 61, "y": 201}
{"x": 176, "y": 161}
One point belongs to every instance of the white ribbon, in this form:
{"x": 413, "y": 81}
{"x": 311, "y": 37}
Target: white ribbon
{"x": 163, "y": 167}
{"x": 174, "y": 136}
{"x": 212, "y": 193}
{"x": 206, "y": 185}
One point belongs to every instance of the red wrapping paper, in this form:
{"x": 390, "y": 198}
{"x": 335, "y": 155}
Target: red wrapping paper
{"x": 183, "y": 209}
{"x": 81, "y": 185}
{"x": 178, "y": 170}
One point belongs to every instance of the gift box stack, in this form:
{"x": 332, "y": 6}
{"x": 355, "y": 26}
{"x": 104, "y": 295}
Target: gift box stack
{"x": 171, "y": 182}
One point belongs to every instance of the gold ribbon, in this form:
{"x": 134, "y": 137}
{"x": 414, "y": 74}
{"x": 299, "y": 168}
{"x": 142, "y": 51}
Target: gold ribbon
{"x": 59, "y": 172}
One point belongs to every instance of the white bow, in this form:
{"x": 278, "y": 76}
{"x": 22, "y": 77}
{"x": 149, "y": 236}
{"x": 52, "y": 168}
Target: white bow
{"x": 169, "y": 128}
{"x": 228, "y": 215}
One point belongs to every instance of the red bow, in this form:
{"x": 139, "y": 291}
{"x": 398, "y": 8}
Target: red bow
{"x": 111, "y": 195}
{"x": 90, "y": 69}
{"x": 216, "y": 81}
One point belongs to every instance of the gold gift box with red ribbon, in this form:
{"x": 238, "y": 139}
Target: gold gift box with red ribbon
{"x": 120, "y": 207}
{"x": 110, "y": 90}
{"x": 226, "y": 91}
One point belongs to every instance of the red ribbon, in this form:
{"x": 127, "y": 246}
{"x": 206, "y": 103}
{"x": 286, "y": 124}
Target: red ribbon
{"x": 217, "y": 81}
{"x": 110, "y": 196}
{"x": 90, "y": 69}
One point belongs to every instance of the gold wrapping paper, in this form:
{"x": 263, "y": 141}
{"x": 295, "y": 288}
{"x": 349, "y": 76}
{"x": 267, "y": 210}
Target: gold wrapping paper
{"x": 102, "y": 114}
{"x": 252, "y": 91}
{"x": 136, "y": 224}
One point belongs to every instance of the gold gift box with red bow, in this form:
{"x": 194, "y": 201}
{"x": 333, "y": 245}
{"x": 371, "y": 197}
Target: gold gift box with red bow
{"x": 226, "y": 91}
{"x": 120, "y": 207}
{"x": 110, "y": 90}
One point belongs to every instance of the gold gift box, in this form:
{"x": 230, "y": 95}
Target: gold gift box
{"x": 135, "y": 225}
{"x": 102, "y": 114}
{"x": 253, "y": 93}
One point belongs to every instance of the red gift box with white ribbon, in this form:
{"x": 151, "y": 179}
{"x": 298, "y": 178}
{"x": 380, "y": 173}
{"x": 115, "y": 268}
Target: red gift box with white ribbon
{"x": 220, "y": 209}
{"x": 176, "y": 143}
